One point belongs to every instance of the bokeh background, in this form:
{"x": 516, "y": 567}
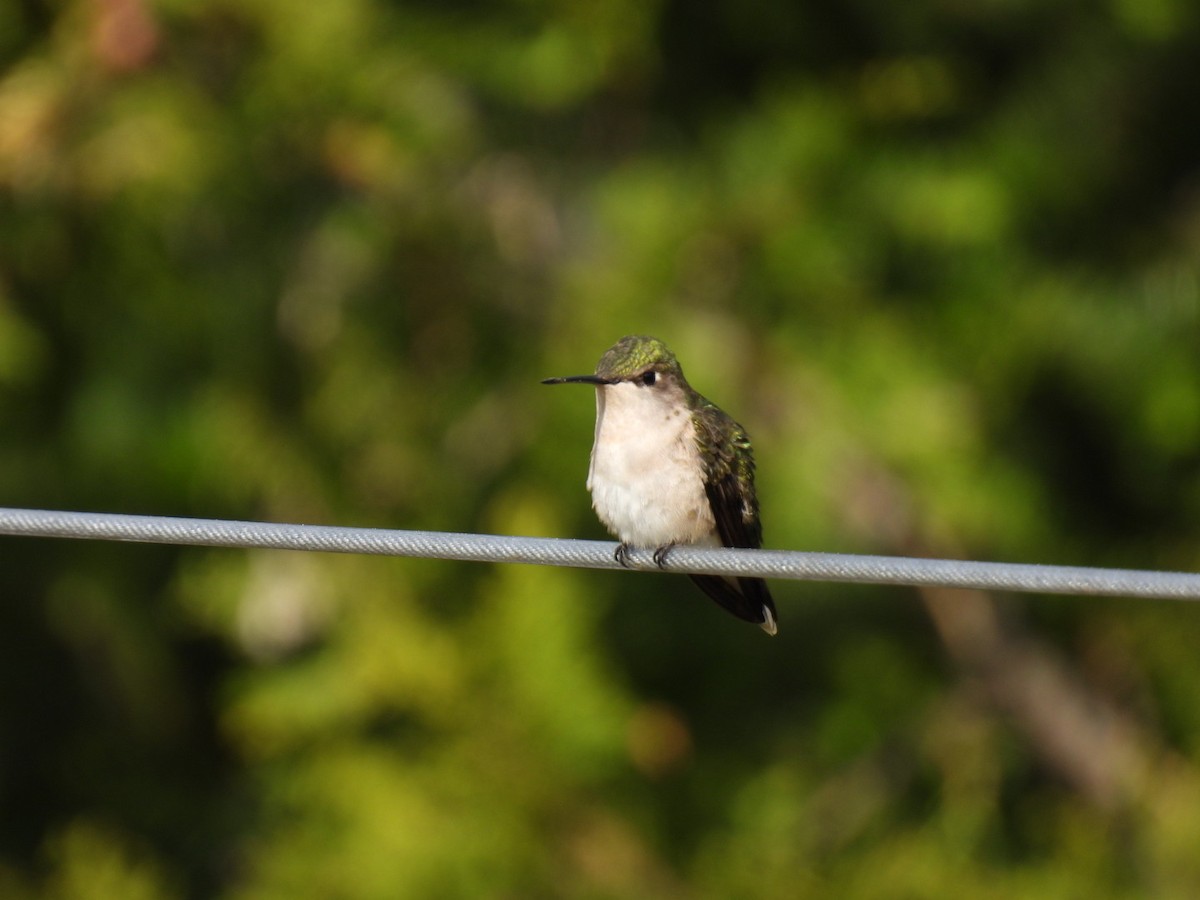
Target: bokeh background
{"x": 306, "y": 262}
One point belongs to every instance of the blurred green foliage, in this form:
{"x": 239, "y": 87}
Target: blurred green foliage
{"x": 307, "y": 262}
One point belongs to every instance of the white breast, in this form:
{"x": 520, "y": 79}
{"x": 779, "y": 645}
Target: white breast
{"x": 646, "y": 477}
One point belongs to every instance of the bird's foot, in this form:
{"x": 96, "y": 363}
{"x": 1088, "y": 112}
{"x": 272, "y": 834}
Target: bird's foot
{"x": 622, "y": 554}
{"x": 661, "y": 554}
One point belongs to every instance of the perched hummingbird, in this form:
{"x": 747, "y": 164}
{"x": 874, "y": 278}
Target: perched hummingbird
{"x": 669, "y": 467}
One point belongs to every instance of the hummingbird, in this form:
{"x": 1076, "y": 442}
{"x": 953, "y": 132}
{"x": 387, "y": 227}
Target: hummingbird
{"x": 670, "y": 467}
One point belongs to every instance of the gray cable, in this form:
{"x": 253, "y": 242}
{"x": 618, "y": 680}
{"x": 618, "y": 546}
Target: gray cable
{"x": 599, "y": 554}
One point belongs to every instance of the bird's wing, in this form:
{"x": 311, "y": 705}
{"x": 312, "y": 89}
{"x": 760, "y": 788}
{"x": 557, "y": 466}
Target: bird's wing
{"x": 734, "y": 505}
{"x": 730, "y": 488}
{"x": 729, "y": 476}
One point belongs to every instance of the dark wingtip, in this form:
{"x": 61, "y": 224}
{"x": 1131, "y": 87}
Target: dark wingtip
{"x": 750, "y": 600}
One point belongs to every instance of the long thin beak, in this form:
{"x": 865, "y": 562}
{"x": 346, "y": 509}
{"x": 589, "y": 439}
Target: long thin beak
{"x": 577, "y": 379}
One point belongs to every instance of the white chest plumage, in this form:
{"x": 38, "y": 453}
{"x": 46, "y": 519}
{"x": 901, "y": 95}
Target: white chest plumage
{"x": 646, "y": 476}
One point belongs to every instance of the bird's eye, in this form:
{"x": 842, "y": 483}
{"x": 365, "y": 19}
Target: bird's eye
{"x": 648, "y": 378}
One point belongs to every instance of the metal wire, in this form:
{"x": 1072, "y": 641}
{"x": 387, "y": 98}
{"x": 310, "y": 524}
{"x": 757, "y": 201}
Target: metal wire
{"x": 599, "y": 554}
